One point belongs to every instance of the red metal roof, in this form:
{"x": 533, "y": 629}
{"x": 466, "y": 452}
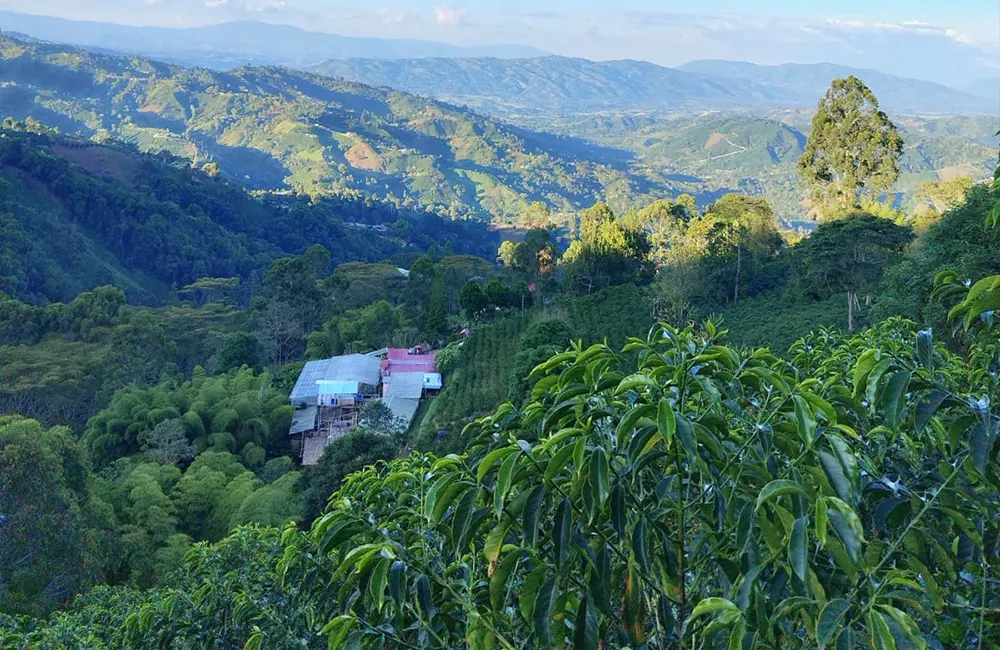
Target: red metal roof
{"x": 400, "y": 360}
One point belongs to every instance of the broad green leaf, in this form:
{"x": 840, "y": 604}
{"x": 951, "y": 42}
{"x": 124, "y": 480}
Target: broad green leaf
{"x": 789, "y": 606}
{"x": 529, "y": 589}
{"x": 979, "y": 447}
{"x": 639, "y": 544}
{"x": 835, "y": 474}
{"x": 736, "y": 634}
{"x": 600, "y": 581}
{"x": 797, "y": 547}
{"x": 599, "y": 479}
{"x": 494, "y": 541}
{"x": 925, "y": 348}
{"x": 463, "y": 515}
{"x": 711, "y": 606}
{"x": 424, "y": 599}
{"x": 545, "y": 603}
{"x": 491, "y": 459}
{"x": 618, "y": 510}
{"x": 397, "y": 582}
{"x": 666, "y": 421}
{"x": 440, "y": 485}
{"x": 529, "y": 515}
{"x": 893, "y": 400}
{"x": 907, "y": 626}
{"x": 558, "y": 461}
{"x": 498, "y": 581}
{"x": 805, "y": 420}
{"x": 878, "y": 630}
{"x": 821, "y": 520}
{"x": 377, "y": 583}
{"x": 777, "y": 488}
{"x": 337, "y": 629}
{"x": 561, "y": 532}
{"x": 828, "y": 626}
{"x": 585, "y": 627}
{"x": 928, "y": 406}
{"x": 447, "y": 497}
{"x": 866, "y": 362}
{"x": 628, "y": 423}
{"x": 633, "y": 606}
{"x": 504, "y": 478}
{"x": 637, "y": 382}
{"x": 875, "y": 378}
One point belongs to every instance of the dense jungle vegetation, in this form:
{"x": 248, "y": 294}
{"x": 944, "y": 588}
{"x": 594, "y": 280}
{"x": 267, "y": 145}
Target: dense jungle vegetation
{"x": 675, "y": 426}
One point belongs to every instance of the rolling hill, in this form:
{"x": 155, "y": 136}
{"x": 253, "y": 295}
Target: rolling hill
{"x": 272, "y": 128}
{"x": 758, "y": 155}
{"x": 237, "y": 43}
{"x": 75, "y": 214}
{"x": 559, "y": 85}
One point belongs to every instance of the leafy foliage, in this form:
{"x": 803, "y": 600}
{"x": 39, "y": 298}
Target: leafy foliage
{"x": 853, "y": 147}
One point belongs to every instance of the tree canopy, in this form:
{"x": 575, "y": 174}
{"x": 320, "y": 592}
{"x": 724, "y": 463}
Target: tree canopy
{"x": 852, "y": 148}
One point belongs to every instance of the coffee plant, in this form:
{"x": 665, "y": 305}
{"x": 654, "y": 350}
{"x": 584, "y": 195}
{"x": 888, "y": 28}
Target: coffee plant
{"x": 678, "y": 493}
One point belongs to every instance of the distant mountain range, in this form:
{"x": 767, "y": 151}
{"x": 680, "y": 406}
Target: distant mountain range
{"x": 233, "y": 44}
{"x": 566, "y": 85}
{"x": 274, "y": 128}
{"x": 988, "y": 88}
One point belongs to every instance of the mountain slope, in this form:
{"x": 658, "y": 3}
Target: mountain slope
{"x": 803, "y": 84}
{"x": 238, "y": 43}
{"x": 548, "y": 84}
{"x": 563, "y": 85}
{"x": 758, "y": 155}
{"x": 268, "y": 127}
{"x": 986, "y": 88}
{"x": 75, "y": 215}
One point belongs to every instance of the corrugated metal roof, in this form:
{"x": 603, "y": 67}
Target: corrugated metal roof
{"x": 403, "y": 408}
{"x": 337, "y": 387}
{"x": 400, "y": 360}
{"x": 432, "y": 380}
{"x": 303, "y": 420}
{"x": 358, "y": 368}
{"x": 405, "y": 385}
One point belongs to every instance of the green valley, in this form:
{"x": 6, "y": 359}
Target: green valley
{"x": 290, "y": 362}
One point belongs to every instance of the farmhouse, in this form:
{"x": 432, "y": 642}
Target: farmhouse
{"x": 330, "y": 394}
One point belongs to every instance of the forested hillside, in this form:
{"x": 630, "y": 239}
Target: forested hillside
{"x": 78, "y": 214}
{"x": 268, "y": 128}
{"x": 672, "y": 423}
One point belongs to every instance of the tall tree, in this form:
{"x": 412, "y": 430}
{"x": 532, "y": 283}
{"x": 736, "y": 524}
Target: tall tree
{"x": 50, "y": 547}
{"x": 437, "y": 310}
{"x": 742, "y": 240}
{"x": 853, "y": 148}
{"x": 848, "y": 256}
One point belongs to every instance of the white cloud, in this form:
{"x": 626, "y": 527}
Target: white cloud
{"x": 211, "y": 4}
{"x": 393, "y": 16}
{"x": 449, "y": 15}
{"x": 260, "y": 6}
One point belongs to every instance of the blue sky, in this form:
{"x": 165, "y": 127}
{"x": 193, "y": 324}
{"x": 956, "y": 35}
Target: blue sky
{"x": 941, "y": 40}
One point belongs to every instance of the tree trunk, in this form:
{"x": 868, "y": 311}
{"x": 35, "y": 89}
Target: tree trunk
{"x": 850, "y": 311}
{"x": 739, "y": 261}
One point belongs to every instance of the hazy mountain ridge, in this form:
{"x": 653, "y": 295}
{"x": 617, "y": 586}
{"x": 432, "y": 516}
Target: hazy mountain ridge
{"x": 563, "y": 85}
{"x": 232, "y": 44}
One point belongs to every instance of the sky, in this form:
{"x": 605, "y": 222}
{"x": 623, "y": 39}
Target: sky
{"x": 943, "y": 38}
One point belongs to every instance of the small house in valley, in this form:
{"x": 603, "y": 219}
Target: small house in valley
{"x": 328, "y": 398}
{"x": 330, "y": 393}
